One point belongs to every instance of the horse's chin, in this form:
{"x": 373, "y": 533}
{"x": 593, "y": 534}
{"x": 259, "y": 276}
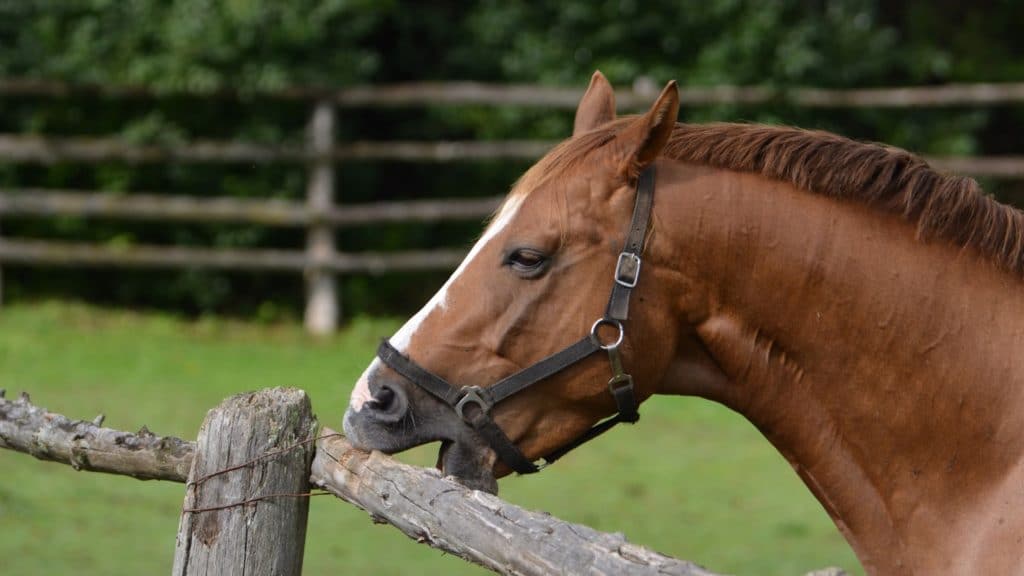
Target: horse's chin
{"x": 469, "y": 464}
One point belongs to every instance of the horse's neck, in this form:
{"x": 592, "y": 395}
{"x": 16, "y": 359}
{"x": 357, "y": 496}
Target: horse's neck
{"x": 885, "y": 369}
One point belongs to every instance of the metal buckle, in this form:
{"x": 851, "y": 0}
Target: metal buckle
{"x": 627, "y": 269}
{"x": 472, "y": 395}
{"x": 619, "y": 382}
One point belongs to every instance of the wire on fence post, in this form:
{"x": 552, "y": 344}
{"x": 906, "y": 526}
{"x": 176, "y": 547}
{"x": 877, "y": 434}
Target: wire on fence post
{"x": 252, "y": 521}
{"x": 322, "y": 302}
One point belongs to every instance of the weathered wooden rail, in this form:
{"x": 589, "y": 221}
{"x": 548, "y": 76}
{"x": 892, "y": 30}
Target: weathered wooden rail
{"x": 323, "y": 212}
{"x": 41, "y": 202}
{"x": 248, "y": 475}
{"x": 320, "y": 262}
{"x": 532, "y": 95}
{"x": 40, "y": 150}
{"x": 37, "y": 252}
{"x": 52, "y": 150}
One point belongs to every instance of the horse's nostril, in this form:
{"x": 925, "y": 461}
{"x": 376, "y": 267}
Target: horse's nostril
{"x": 388, "y": 404}
{"x": 383, "y": 399}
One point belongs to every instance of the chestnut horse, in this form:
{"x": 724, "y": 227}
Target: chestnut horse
{"x": 864, "y": 312}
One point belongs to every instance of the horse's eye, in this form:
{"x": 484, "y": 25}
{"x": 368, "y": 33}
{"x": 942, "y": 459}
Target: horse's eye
{"x": 527, "y": 262}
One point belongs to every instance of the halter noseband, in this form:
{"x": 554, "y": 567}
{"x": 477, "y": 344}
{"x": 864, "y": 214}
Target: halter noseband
{"x": 473, "y": 403}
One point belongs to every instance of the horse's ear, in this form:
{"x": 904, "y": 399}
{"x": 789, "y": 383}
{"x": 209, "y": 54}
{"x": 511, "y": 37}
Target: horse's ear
{"x": 643, "y": 140}
{"x": 597, "y": 106}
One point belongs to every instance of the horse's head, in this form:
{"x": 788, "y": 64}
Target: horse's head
{"x": 532, "y": 285}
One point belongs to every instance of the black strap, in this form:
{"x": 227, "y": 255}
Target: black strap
{"x": 628, "y": 412}
{"x": 547, "y": 367}
{"x": 476, "y": 416}
{"x": 451, "y": 394}
{"x": 594, "y": 431}
{"x": 627, "y": 269}
{"x": 432, "y": 383}
{"x": 507, "y": 451}
{"x": 625, "y": 400}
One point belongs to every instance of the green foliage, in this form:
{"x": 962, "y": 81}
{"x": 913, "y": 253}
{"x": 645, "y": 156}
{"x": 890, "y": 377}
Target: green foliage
{"x": 192, "y": 45}
{"x": 204, "y": 46}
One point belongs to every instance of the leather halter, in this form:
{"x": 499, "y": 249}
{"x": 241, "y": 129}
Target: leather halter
{"x": 473, "y": 403}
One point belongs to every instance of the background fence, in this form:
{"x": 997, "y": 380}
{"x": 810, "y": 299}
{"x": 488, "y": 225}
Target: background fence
{"x": 322, "y": 261}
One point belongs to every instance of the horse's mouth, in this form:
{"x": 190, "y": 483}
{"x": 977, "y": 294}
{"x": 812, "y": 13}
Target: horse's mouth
{"x": 468, "y": 463}
{"x": 462, "y": 456}
{"x": 441, "y": 452}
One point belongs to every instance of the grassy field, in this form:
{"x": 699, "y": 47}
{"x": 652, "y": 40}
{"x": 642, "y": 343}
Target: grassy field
{"x": 691, "y": 479}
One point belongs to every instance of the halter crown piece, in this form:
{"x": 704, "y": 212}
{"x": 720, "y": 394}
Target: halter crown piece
{"x": 473, "y": 403}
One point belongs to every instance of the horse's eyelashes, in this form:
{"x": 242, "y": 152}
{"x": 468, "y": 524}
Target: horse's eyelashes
{"x": 527, "y": 262}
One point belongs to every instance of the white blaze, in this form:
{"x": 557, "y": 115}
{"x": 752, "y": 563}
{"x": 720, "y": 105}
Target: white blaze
{"x": 401, "y": 339}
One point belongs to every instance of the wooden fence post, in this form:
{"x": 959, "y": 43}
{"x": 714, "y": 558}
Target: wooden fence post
{"x": 264, "y": 536}
{"x": 322, "y": 303}
{"x": 1, "y": 276}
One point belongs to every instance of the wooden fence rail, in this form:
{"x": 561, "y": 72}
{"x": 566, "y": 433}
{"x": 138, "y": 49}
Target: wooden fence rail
{"x": 320, "y": 215}
{"x": 51, "y": 253}
{"x": 267, "y": 212}
{"x": 248, "y": 472}
{"x": 35, "y": 149}
{"x": 51, "y": 150}
{"x": 324, "y": 210}
{"x": 531, "y": 95}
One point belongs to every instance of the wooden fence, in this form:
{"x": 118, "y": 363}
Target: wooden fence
{"x": 248, "y": 478}
{"x": 321, "y": 214}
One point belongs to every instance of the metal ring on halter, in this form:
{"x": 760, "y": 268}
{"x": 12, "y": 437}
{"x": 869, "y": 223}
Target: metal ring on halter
{"x": 611, "y": 322}
{"x": 472, "y": 395}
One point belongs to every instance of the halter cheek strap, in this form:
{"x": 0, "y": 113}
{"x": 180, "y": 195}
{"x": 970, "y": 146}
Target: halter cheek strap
{"x": 473, "y": 403}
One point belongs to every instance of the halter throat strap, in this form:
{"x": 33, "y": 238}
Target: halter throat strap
{"x": 473, "y": 403}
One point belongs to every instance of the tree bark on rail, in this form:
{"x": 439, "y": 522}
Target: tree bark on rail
{"x": 477, "y": 526}
{"x": 88, "y": 446}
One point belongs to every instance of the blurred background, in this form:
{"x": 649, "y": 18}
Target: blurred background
{"x": 185, "y": 184}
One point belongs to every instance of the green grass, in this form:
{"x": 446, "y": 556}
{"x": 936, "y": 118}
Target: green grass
{"x": 691, "y": 479}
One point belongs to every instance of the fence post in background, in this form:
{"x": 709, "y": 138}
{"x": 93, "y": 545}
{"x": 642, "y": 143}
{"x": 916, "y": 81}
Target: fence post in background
{"x": 225, "y": 527}
{"x": 322, "y": 302}
{"x": 1, "y": 276}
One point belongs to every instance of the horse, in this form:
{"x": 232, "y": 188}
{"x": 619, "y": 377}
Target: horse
{"x": 861, "y": 309}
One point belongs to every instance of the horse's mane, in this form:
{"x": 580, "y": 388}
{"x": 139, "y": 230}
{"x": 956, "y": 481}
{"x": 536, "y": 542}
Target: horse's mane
{"x": 890, "y": 179}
